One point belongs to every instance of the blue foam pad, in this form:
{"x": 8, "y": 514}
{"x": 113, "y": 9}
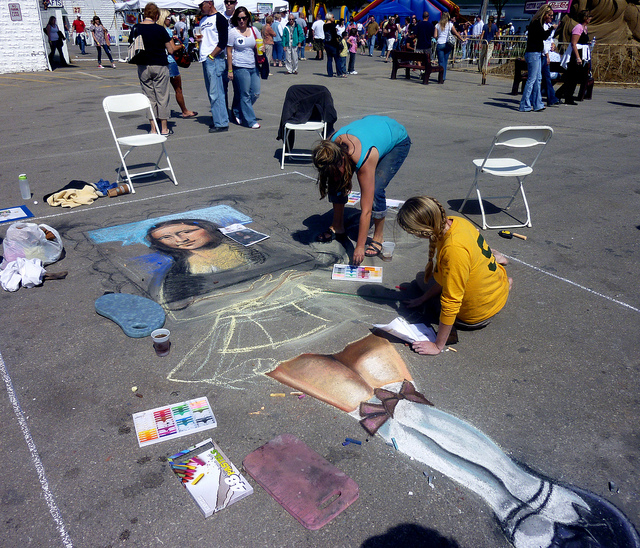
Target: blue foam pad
{"x": 137, "y": 316}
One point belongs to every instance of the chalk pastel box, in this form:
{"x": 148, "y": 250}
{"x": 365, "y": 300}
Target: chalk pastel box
{"x": 210, "y": 477}
{"x": 173, "y": 421}
{"x": 352, "y": 273}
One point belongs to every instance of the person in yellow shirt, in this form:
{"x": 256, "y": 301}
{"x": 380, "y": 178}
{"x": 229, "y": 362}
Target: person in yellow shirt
{"x": 470, "y": 278}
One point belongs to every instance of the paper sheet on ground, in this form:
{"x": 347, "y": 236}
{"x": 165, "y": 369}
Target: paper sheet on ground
{"x": 395, "y": 204}
{"x": 243, "y": 235}
{"x": 407, "y": 331}
{"x": 14, "y": 213}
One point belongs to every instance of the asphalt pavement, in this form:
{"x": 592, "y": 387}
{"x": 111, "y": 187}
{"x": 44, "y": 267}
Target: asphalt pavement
{"x": 553, "y": 380}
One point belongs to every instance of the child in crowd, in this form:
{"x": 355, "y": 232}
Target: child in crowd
{"x": 364, "y": 45}
{"x": 353, "y": 49}
{"x": 343, "y": 55}
{"x": 470, "y": 278}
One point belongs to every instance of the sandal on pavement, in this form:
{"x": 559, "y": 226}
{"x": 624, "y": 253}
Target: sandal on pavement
{"x": 189, "y": 115}
{"x": 373, "y": 249}
{"x": 330, "y": 235}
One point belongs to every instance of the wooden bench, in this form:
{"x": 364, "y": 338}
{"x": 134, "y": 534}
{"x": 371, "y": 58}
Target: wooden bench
{"x": 410, "y": 60}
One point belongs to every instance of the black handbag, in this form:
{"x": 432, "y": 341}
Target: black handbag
{"x": 182, "y": 58}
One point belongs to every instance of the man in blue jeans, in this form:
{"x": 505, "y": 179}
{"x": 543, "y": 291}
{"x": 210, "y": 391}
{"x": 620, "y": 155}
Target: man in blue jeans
{"x": 372, "y": 31}
{"x": 213, "y": 44}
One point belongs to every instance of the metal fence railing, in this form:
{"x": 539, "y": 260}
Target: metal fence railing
{"x": 504, "y": 49}
{"x": 610, "y": 63}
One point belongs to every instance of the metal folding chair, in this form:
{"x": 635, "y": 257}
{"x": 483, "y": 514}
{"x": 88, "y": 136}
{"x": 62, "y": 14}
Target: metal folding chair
{"x": 129, "y": 103}
{"x": 306, "y": 107}
{"x": 518, "y": 137}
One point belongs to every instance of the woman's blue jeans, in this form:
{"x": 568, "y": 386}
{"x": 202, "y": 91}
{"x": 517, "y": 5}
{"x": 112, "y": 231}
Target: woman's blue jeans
{"x": 443, "y": 51}
{"x": 386, "y": 169}
{"x": 332, "y": 56}
{"x": 246, "y": 90}
{"x": 531, "y": 96}
{"x": 278, "y": 51}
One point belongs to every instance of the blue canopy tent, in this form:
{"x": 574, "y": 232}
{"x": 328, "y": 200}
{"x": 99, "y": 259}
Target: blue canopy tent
{"x": 391, "y": 8}
{"x": 405, "y": 8}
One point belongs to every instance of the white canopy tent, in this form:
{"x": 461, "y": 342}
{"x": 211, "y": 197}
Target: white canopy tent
{"x": 185, "y": 5}
{"x": 182, "y": 5}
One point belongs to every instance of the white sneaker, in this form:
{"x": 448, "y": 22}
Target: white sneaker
{"x": 354, "y": 72}
{"x": 255, "y": 126}
{"x": 100, "y": 66}
{"x": 113, "y": 65}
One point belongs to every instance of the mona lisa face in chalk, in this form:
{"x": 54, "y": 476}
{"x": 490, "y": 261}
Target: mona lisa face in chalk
{"x": 182, "y": 236}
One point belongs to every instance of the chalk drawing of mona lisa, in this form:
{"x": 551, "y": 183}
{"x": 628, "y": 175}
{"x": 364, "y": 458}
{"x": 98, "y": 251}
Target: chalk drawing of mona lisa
{"x": 198, "y": 251}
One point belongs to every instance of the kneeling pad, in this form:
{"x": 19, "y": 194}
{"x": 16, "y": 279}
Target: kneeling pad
{"x": 137, "y": 316}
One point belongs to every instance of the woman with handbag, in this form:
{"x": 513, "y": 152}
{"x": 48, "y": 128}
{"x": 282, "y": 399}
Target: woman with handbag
{"x": 174, "y": 72}
{"x": 292, "y": 37}
{"x": 445, "y": 34}
{"x": 56, "y": 39}
{"x": 153, "y": 71}
{"x": 578, "y": 67}
{"x": 100, "y": 34}
{"x": 242, "y": 68}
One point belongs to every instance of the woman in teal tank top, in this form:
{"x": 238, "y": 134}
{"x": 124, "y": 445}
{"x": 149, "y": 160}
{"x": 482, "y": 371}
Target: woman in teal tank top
{"x": 373, "y": 148}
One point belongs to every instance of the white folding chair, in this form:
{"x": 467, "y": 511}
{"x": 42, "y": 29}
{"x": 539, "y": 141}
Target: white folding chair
{"x": 514, "y": 138}
{"x": 319, "y": 127}
{"x": 135, "y": 102}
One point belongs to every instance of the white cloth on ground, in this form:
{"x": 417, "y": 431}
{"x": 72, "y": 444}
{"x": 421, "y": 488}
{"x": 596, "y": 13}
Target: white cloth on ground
{"x": 28, "y": 272}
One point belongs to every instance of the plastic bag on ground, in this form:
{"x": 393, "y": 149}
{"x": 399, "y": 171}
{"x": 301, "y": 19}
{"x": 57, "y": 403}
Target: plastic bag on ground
{"x": 28, "y": 241}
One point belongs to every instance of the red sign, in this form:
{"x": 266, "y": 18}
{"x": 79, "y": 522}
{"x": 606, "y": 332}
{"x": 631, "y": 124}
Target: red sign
{"x": 15, "y": 12}
{"x": 558, "y": 6}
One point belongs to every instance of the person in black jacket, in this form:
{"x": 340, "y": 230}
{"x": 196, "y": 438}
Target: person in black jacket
{"x": 531, "y": 96}
{"x": 153, "y": 70}
{"x": 332, "y": 46}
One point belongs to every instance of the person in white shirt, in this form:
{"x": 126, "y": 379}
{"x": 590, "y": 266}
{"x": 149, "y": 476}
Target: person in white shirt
{"x": 181, "y": 30}
{"x": 318, "y": 37}
{"x": 213, "y": 43}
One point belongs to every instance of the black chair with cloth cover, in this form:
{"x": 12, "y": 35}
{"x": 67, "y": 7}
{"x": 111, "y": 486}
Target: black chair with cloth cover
{"x": 305, "y": 108}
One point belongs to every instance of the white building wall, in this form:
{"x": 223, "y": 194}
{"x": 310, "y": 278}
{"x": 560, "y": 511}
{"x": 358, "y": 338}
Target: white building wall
{"x": 104, "y": 9}
{"x": 22, "y": 46}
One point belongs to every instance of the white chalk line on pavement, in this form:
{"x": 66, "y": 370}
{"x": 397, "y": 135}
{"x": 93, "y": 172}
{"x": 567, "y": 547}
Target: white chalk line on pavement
{"x": 538, "y": 269}
{"x": 162, "y": 196}
{"x": 35, "y": 457}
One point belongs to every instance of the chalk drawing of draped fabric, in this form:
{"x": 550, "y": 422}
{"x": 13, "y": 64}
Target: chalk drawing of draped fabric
{"x": 263, "y": 323}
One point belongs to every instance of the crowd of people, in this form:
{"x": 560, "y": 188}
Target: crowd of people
{"x": 229, "y": 46}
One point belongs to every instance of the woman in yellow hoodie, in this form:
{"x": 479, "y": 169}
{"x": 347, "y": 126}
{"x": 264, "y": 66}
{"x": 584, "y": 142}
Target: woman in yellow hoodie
{"x": 470, "y": 278}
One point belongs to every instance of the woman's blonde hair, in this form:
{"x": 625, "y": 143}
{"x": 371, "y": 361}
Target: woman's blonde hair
{"x": 424, "y": 217}
{"x": 542, "y": 12}
{"x": 444, "y": 19}
{"x": 329, "y": 157}
{"x": 163, "y": 17}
